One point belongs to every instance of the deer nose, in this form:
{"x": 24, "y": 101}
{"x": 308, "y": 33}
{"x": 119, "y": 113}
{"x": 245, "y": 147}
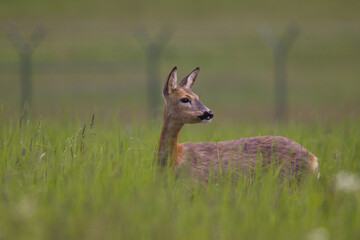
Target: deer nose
{"x": 207, "y": 115}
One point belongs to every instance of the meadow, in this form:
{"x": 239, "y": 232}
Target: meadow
{"x": 91, "y": 62}
{"x": 66, "y": 175}
{"x": 94, "y": 181}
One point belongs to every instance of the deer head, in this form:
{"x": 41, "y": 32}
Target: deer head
{"x": 181, "y": 104}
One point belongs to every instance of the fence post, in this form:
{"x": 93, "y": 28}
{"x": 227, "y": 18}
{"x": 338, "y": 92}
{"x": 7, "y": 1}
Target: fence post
{"x": 280, "y": 48}
{"x": 153, "y": 49}
{"x": 25, "y": 50}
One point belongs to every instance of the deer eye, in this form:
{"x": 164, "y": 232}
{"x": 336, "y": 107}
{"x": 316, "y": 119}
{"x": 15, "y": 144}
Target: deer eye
{"x": 185, "y": 100}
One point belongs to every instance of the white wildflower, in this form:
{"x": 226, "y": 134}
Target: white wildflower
{"x": 320, "y": 233}
{"x": 347, "y": 182}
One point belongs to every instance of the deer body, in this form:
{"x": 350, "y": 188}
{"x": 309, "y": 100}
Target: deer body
{"x": 239, "y": 155}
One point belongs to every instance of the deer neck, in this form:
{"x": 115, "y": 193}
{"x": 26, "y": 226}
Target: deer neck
{"x": 168, "y": 142}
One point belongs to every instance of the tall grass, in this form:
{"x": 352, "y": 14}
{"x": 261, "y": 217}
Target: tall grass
{"x": 76, "y": 180}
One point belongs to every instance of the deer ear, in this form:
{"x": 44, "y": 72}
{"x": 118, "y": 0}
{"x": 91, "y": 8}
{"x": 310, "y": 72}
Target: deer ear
{"x": 189, "y": 80}
{"x": 171, "y": 82}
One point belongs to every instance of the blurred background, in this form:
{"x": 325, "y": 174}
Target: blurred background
{"x": 111, "y": 58}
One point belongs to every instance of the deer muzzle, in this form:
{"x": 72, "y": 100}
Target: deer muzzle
{"x": 206, "y": 116}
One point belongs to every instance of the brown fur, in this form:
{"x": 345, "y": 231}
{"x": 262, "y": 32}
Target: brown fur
{"x": 239, "y": 155}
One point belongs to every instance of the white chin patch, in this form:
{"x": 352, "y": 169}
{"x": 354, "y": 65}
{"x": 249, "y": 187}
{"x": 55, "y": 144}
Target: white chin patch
{"x": 206, "y": 120}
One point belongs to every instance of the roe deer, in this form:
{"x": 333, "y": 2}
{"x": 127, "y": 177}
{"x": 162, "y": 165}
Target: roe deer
{"x": 240, "y": 155}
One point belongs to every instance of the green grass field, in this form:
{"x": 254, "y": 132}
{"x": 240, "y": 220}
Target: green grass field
{"x": 62, "y": 177}
{"x": 99, "y": 181}
{"x": 90, "y": 61}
